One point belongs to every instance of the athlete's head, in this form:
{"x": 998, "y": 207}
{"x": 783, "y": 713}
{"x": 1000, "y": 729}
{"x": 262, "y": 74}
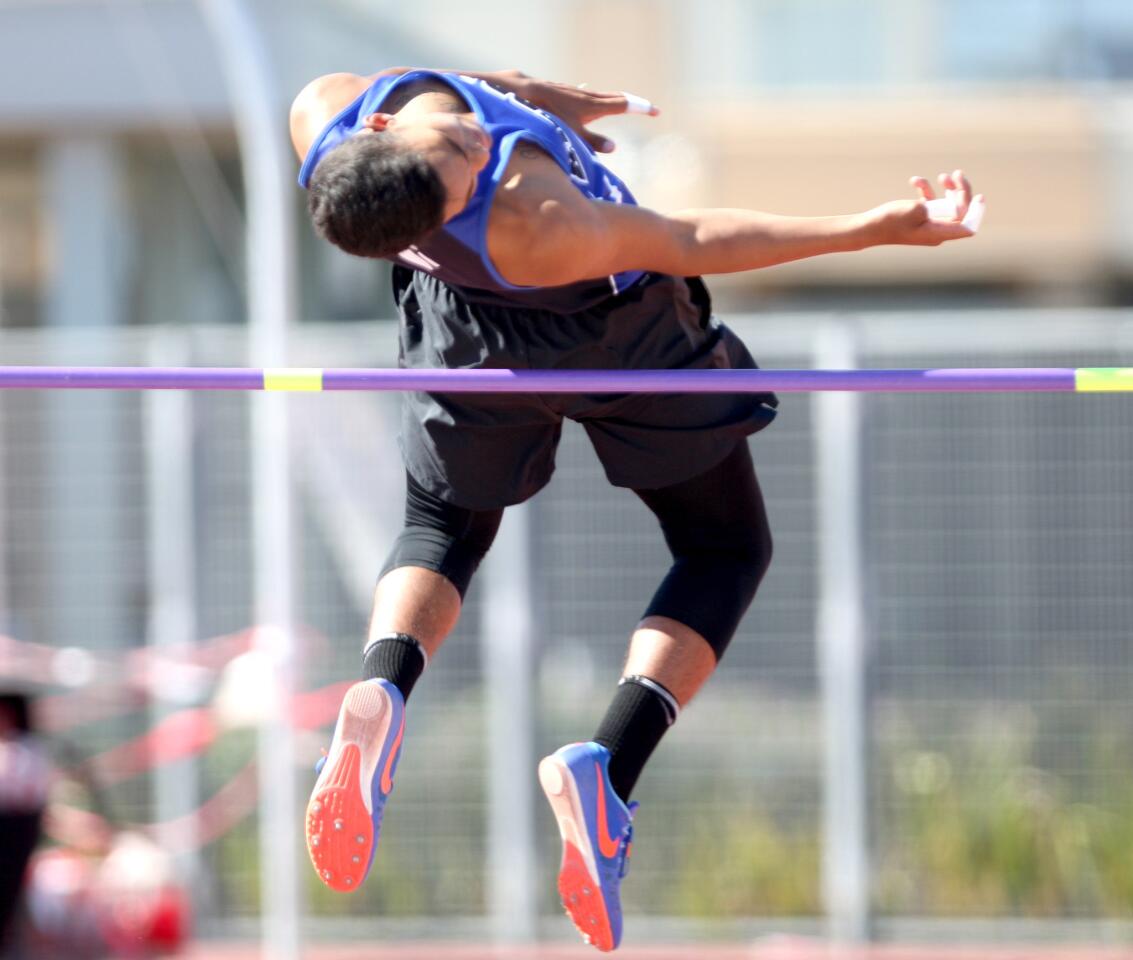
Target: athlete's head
{"x": 397, "y": 180}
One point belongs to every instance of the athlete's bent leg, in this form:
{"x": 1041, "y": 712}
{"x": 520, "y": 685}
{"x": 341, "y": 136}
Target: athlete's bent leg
{"x": 415, "y": 601}
{"x": 716, "y": 528}
{"x": 416, "y": 605}
{"x": 717, "y": 531}
{"x": 672, "y": 654}
{"x": 429, "y": 569}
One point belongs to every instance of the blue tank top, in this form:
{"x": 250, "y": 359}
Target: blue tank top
{"x": 457, "y": 253}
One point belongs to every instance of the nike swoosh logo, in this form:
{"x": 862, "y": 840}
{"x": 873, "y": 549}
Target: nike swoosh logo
{"x": 387, "y": 773}
{"x": 606, "y": 843}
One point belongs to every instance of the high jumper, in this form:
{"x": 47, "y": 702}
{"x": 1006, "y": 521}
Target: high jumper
{"x": 515, "y": 247}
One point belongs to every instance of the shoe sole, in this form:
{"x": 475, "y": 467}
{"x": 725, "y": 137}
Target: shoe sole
{"x": 579, "y": 888}
{"x": 339, "y": 823}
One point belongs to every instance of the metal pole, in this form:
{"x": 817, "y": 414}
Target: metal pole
{"x": 172, "y": 581}
{"x": 270, "y": 252}
{"x": 5, "y": 613}
{"x": 6, "y": 618}
{"x": 84, "y": 502}
{"x": 842, "y": 647}
{"x": 507, "y": 638}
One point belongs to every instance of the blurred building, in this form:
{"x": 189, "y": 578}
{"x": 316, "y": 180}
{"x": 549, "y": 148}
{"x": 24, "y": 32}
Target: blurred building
{"x": 812, "y": 107}
{"x": 120, "y": 193}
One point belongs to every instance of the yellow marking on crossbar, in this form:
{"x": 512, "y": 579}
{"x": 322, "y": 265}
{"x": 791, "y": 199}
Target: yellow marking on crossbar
{"x": 294, "y": 379}
{"x": 1104, "y": 380}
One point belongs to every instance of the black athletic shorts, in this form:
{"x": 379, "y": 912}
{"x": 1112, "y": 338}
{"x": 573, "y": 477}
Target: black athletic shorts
{"x": 485, "y": 451}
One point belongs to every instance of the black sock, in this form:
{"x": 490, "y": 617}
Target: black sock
{"x": 397, "y": 658}
{"x": 641, "y": 711}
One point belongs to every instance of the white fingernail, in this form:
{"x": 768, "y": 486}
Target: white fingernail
{"x": 636, "y": 104}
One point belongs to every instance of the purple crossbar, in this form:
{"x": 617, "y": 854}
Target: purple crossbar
{"x": 551, "y": 381}
{"x": 698, "y": 381}
{"x": 130, "y": 378}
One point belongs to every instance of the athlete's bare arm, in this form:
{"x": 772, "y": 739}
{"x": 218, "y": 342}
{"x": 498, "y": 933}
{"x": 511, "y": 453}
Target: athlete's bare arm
{"x": 317, "y": 103}
{"x": 543, "y": 232}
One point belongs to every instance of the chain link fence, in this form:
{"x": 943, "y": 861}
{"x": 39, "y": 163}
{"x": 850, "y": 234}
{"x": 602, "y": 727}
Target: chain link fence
{"x": 999, "y": 562}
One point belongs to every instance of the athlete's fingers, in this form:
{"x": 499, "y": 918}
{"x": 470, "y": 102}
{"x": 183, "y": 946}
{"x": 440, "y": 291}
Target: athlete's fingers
{"x": 945, "y": 230}
{"x": 594, "y": 104}
{"x": 598, "y": 142}
{"x": 923, "y": 187}
{"x": 975, "y": 216}
{"x": 635, "y": 104}
{"x": 963, "y": 193}
{"x": 603, "y": 105}
{"x": 949, "y": 186}
{"x": 602, "y": 101}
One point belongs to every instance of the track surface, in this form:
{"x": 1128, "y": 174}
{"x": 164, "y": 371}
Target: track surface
{"x": 776, "y": 949}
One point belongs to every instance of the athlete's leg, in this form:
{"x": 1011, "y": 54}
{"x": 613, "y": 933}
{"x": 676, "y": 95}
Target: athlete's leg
{"x": 418, "y": 597}
{"x": 416, "y": 604}
{"x": 416, "y": 601}
{"x": 674, "y": 655}
{"x": 717, "y": 531}
{"x": 716, "y": 528}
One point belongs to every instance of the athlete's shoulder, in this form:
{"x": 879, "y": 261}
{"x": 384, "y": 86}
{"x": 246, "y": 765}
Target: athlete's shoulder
{"x": 319, "y": 102}
{"x": 538, "y": 216}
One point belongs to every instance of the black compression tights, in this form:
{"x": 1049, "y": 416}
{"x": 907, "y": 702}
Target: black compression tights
{"x": 714, "y": 524}
{"x": 442, "y": 537}
{"x": 716, "y": 528}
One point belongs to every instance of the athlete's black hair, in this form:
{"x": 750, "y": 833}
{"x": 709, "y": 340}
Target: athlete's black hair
{"x": 373, "y": 197}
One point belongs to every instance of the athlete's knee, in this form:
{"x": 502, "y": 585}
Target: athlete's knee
{"x": 739, "y": 552}
{"x": 442, "y": 537}
{"x": 736, "y": 568}
{"x": 752, "y": 558}
{"x": 717, "y": 569}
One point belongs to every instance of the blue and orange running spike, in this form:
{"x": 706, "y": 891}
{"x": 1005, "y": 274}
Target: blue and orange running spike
{"x": 344, "y": 814}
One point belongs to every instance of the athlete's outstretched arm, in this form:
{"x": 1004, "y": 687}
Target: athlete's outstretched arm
{"x": 570, "y": 240}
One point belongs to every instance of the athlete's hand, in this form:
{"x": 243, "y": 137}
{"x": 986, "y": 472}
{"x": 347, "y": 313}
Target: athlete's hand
{"x": 578, "y": 106}
{"x": 909, "y": 222}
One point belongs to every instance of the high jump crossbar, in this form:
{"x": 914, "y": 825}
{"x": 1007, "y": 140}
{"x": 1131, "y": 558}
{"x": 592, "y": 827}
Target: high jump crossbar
{"x": 306, "y": 380}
